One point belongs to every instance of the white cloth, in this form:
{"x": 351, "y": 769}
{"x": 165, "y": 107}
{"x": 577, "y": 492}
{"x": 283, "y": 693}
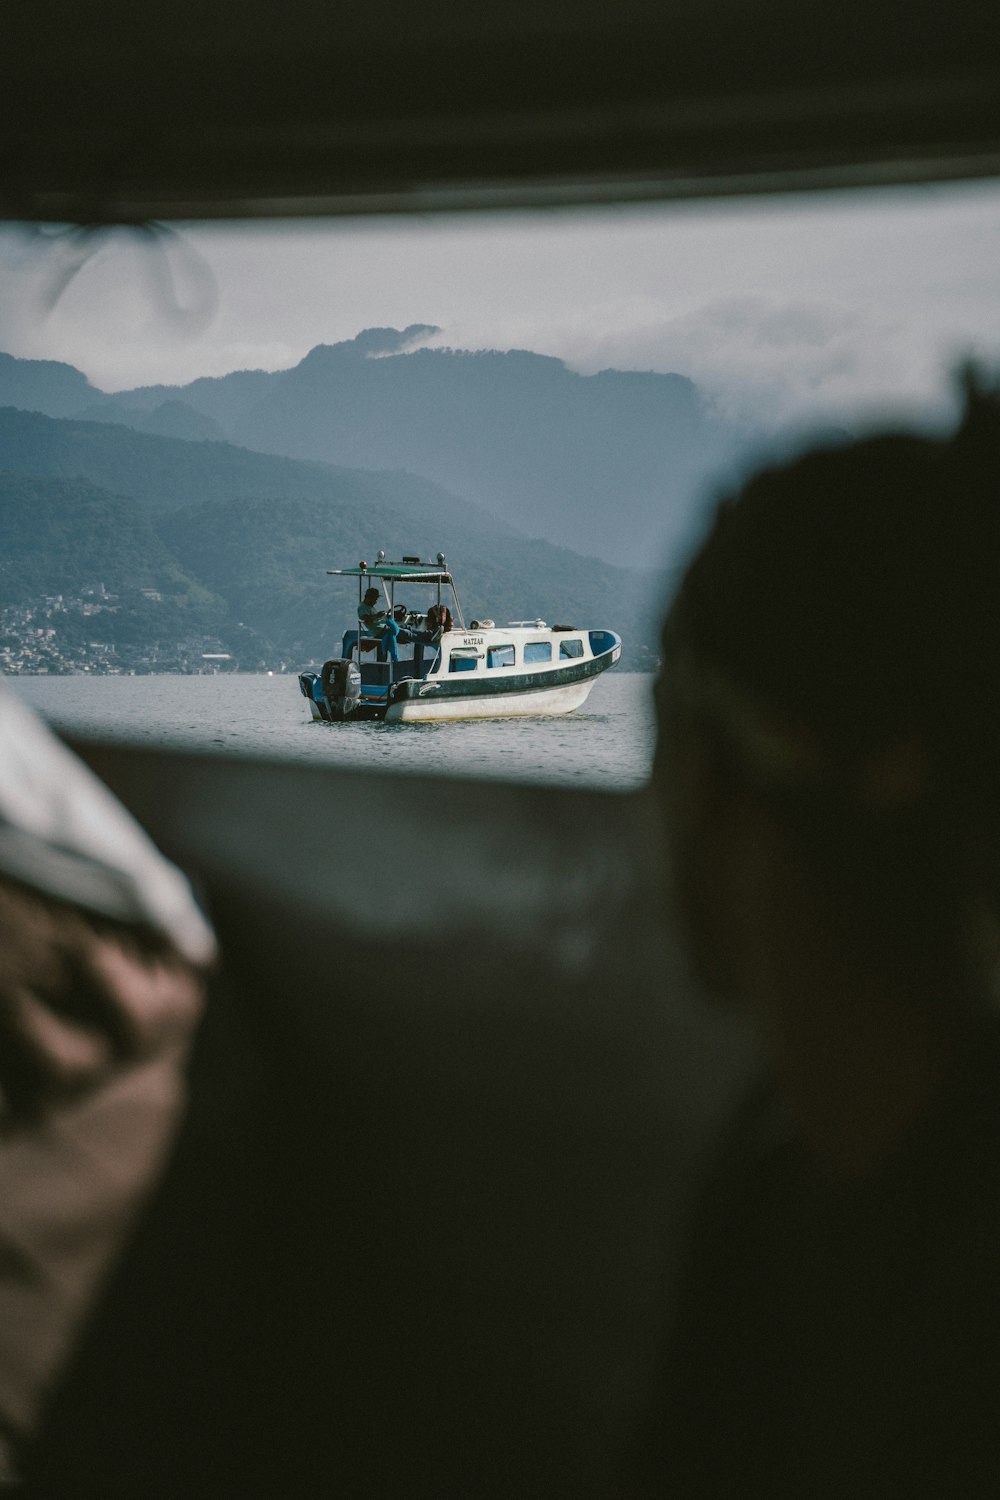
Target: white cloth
{"x": 73, "y": 1181}
{"x": 64, "y": 834}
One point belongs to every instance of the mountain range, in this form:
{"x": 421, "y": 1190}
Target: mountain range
{"x": 550, "y": 492}
{"x": 613, "y": 465}
{"x": 236, "y": 539}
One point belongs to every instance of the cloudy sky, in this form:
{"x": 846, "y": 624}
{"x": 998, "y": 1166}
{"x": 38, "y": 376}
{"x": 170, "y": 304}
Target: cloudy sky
{"x": 831, "y": 305}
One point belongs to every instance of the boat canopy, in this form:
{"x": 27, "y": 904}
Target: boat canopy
{"x": 396, "y": 573}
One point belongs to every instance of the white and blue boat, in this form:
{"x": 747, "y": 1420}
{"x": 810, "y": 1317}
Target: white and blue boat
{"x": 445, "y": 669}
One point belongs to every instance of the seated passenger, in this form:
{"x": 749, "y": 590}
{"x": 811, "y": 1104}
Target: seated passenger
{"x": 438, "y": 620}
{"x": 379, "y": 624}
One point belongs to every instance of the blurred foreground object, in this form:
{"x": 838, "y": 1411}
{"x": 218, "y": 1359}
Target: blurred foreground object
{"x": 63, "y": 833}
{"x": 211, "y": 112}
{"x": 829, "y": 763}
{"x": 101, "y": 953}
{"x": 415, "y": 1234}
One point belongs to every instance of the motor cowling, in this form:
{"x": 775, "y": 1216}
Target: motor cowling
{"x": 341, "y": 680}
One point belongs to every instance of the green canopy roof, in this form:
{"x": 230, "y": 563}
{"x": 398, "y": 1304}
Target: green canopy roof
{"x": 396, "y": 572}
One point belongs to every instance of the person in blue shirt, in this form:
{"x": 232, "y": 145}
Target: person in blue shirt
{"x": 379, "y": 624}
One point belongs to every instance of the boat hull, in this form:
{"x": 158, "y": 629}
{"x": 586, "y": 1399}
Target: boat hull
{"x": 558, "y": 690}
{"x": 514, "y": 705}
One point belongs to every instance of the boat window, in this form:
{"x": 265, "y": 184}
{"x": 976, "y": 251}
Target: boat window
{"x": 536, "y": 651}
{"x": 500, "y": 656}
{"x": 463, "y": 661}
{"x": 571, "y": 648}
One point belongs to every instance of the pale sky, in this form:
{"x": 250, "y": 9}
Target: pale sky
{"x": 830, "y": 305}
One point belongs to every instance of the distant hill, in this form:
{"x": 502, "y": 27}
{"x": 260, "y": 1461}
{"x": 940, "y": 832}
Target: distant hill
{"x": 614, "y": 465}
{"x": 250, "y": 535}
{"x": 169, "y": 419}
{"x": 167, "y": 473}
{"x": 611, "y": 464}
{"x": 44, "y": 385}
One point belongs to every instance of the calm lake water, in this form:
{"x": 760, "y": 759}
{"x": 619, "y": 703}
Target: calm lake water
{"x": 608, "y": 743}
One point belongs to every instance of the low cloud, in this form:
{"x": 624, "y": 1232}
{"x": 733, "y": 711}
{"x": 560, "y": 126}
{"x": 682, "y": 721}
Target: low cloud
{"x": 761, "y": 360}
{"x": 778, "y": 362}
{"x": 815, "y": 350}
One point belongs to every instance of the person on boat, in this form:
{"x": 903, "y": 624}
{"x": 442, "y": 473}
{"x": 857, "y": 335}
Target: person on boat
{"x": 828, "y": 765}
{"x": 439, "y": 621}
{"x": 380, "y": 625}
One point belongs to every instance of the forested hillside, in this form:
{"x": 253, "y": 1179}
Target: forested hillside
{"x": 615, "y": 465}
{"x": 86, "y": 584}
{"x": 236, "y": 546}
{"x": 269, "y": 559}
{"x": 62, "y": 536}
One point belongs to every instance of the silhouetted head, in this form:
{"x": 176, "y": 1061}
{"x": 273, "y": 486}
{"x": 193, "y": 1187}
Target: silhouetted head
{"x": 371, "y": 595}
{"x": 830, "y": 691}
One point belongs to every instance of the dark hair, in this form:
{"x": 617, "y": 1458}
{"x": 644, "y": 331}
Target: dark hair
{"x": 371, "y": 593}
{"x": 836, "y": 644}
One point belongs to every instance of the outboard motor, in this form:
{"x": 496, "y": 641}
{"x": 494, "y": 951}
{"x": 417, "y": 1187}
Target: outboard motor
{"x": 341, "y": 682}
